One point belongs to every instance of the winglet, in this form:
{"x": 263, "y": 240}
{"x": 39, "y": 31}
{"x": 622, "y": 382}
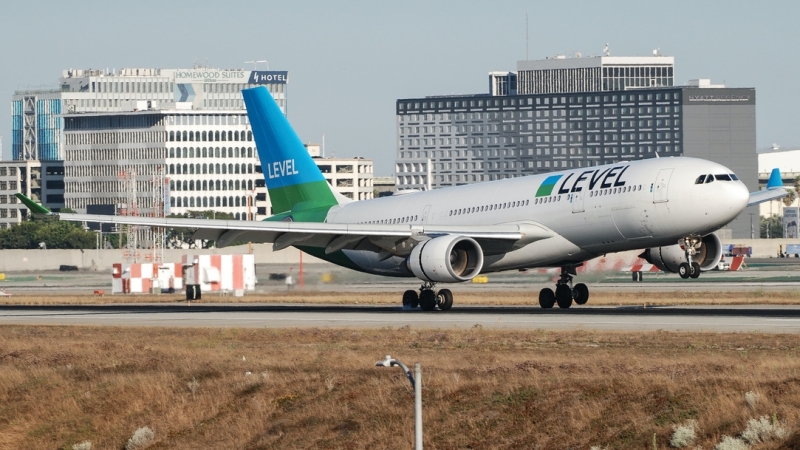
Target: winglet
{"x": 775, "y": 180}
{"x": 32, "y": 205}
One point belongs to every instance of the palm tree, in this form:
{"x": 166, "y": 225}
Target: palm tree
{"x": 789, "y": 199}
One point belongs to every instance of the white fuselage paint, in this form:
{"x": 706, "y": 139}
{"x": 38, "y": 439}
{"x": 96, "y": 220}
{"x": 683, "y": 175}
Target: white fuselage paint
{"x": 591, "y": 211}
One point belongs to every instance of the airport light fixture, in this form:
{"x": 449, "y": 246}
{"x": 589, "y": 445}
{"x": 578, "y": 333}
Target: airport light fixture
{"x": 417, "y": 385}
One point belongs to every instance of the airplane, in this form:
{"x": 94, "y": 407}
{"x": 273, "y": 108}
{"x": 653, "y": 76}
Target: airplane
{"x": 670, "y": 207}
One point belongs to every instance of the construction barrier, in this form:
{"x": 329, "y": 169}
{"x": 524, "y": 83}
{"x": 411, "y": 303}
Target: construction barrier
{"x": 235, "y": 273}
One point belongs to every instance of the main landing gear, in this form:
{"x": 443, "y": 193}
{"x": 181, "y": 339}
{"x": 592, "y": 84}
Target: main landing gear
{"x": 428, "y": 298}
{"x": 690, "y": 268}
{"x": 565, "y": 293}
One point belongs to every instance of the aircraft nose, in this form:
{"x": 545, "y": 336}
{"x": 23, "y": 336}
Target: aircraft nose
{"x": 738, "y": 196}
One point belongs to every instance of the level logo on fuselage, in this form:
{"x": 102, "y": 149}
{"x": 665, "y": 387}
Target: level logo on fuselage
{"x": 590, "y": 179}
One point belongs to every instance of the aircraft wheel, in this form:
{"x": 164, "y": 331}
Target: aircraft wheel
{"x": 427, "y": 300}
{"x": 445, "y": 297}
{"x": 563, "y": 296}
{"x": 547, "y": 298}
{"x": 410, "y": 299}
{"x": 695, "y": 270}
{"x": 684, "y": 270}
{"x": 580, "y": 293}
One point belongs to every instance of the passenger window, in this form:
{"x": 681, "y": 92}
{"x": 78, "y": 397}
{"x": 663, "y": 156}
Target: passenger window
{"x": 700, "y": 180}
{"x": 709, "y": 178}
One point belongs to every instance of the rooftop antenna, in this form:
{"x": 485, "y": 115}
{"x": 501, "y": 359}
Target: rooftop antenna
{"x": 527, "y": 56}
{"x": 255, "y": 63}
{"x": 657, "y": 52}
{"x": 606, "y": 51}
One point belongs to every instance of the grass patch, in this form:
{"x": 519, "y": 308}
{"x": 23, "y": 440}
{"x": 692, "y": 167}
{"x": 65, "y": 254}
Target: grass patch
{"x": 318, "y": 388}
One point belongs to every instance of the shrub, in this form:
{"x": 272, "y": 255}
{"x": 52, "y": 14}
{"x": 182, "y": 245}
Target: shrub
{"x": 142, "y": 438}
{"x": 752, "y": 399}
{"x": 762, "y": 430}
{"x": 683, "y": 435}
{"x": 731, "y": 443}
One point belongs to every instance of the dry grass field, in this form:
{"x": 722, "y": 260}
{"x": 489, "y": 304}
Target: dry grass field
{"x": 315, "y": 388}
{"x": 466, "y": 297}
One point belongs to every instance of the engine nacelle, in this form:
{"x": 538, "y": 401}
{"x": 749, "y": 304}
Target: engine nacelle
{"x": 669, "y": 258}
{"x": 446, "y": 259}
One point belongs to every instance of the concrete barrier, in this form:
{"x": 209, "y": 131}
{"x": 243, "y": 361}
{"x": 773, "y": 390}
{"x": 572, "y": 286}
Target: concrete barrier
{"x": 32, "y": 260}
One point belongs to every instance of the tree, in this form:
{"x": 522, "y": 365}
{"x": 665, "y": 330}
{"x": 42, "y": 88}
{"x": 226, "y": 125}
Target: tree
{"x": 178, "y": 237}
{"x": 789, "y": 199}
{"x": 771, "y": 227}
{"x": 54, "y": 233}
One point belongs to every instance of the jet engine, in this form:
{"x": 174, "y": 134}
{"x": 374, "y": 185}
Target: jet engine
{"x": 446, "y": 259}
{"x": 707, "y": 255}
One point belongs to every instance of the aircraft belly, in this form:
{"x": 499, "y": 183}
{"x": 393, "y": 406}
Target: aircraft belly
{"x": 369, "y": 262}
{"x": 547, "y": 252}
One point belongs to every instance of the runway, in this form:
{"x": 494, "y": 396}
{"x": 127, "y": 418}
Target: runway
{"x": 768, "y": 319}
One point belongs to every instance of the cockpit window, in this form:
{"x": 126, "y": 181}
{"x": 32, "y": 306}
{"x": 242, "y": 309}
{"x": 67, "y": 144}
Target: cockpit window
{"x": 723, "y": 177}
{"x": 709, "y": 178}
{"x": 700, "y": 179}
{"x": 734, "y": 177}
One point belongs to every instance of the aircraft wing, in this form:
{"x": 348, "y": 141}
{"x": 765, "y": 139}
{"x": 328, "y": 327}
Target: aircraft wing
{"x": 774, "y": 190}
{"x": 390, "y": 239}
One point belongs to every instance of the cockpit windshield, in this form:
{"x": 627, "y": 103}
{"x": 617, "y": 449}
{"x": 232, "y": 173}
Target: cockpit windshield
{"x": 720, "y": 177}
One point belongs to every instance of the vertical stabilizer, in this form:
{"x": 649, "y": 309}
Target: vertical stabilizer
{"x": 293, "y": 179}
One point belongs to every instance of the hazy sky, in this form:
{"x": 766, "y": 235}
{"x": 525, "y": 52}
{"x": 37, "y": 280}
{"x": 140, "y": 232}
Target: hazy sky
{"x": 349, "y": 61}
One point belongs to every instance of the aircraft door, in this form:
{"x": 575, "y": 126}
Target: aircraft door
{"x": 577, "y": 202}
{"x": 661, "y": 186}
{"x": 425, "y": 214}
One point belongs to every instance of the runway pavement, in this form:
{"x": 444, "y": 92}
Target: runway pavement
{"x": 777, "y": 319}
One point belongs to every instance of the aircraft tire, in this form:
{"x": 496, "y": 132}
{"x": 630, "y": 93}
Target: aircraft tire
{"x": 410, "y": 299}
{"x": 684, "y": 270}
{"x": 547, "y": 298}
{"x": 695, "y": 270}
{"x": 563, "y": 296}
{"x": 580, "y": 293}
{"x": 445, "y": 299}
{"x": 427, "y": 300}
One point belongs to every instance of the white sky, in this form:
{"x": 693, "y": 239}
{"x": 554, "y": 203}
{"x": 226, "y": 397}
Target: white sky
{"x": 349, "y": 61}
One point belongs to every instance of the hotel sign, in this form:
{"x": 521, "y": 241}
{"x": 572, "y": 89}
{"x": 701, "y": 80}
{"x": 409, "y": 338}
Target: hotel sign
{"x": 188, "y": 76}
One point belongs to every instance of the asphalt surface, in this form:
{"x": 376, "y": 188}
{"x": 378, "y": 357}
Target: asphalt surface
{"x": 769, "y": 319}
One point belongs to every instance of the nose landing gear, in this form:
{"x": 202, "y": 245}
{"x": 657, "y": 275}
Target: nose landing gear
{"x": 690, "y": 247}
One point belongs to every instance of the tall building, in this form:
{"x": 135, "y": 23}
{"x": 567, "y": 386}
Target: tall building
{"x": 42, "y": 181}
{"x": 37, "y": 126}
{"x": 594, "y": 74}
{"x": 453, "y": 140}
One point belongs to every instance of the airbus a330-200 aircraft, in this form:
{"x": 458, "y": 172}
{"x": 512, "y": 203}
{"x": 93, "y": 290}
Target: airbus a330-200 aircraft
{"x": 668, "y": 206}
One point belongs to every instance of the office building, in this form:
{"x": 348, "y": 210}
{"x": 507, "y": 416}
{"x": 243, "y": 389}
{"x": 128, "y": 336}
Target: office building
{"x": 594, "y": 74}
{"x": 37, "y": 126}
{"x": 453, "y": 140}
{"x": 42, "y": 181}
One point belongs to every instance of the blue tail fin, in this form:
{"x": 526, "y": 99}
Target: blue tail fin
{"x": 775, "y": 180}
{"x": 293, "y": 179}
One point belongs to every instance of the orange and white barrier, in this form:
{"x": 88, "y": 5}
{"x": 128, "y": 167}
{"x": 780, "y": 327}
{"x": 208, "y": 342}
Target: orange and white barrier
{"x": 220, "y": 272}
{"x": 138, "y": 278}
{"x": 643, "y": 267}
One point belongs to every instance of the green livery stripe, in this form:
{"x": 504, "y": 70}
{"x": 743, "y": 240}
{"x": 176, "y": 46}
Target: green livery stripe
{"x": 312, "y": 195}
{"x": 338, "y": 258}
{"x": 547, "y": 186}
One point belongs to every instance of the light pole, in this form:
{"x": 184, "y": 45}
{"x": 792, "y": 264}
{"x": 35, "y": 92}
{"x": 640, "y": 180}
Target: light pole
{"x": 752, "y": 230}
{"x": 417, "y": 385}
